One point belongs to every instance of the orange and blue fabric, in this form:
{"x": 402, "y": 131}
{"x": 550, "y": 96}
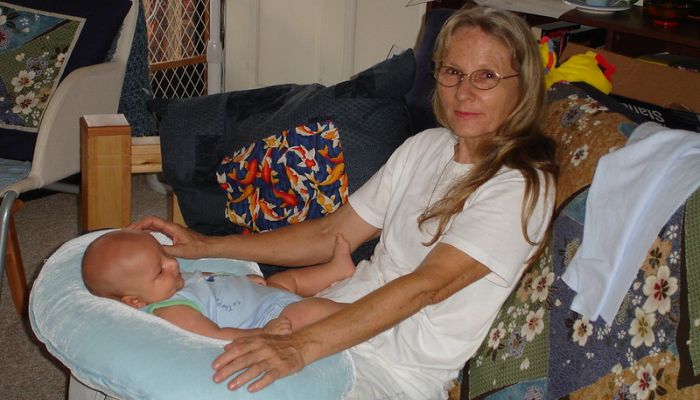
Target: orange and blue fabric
{"x": 285, "y": 178}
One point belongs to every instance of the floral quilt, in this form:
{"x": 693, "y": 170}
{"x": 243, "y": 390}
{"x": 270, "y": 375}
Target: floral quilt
{"x": 34, "y": 48}
{"x": 538, "y": 348}
{"x": 285, "y": 178}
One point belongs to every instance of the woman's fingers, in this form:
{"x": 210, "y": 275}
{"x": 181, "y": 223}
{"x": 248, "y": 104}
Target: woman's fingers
{"x": 247, "y": 376}
{"x": 267, "y": 378}
{"x": 269, "y": 357}
{"x": 156, "y": 224}
{"x": 186, "y": 243}
{"x": 150, "y": 223}
{"x": 236, "y": 357}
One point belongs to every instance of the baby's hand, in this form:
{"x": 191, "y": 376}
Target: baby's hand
{"x": 257, "y": 279}
{"x": 278, "y": 326}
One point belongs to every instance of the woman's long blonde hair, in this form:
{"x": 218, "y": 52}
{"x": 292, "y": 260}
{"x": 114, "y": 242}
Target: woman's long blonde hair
{"x": 519, "y": 142}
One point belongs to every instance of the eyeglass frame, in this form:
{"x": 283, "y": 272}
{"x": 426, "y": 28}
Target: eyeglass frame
{"x": 469, "y": 75}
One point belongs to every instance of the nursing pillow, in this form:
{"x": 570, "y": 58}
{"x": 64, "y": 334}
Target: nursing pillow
{"x": 126, "y": 353}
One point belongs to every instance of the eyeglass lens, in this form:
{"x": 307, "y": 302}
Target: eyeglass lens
{"x": 481, "y": 79}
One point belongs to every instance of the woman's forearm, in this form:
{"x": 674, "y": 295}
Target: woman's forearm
{"x": 359, "y": 321}
{"x": 445, "y": 271}
{"x": 442, "y": 274}
{"x": 259, "y": 361}
{"x": 307, "y": 243}
{"x": 297, "y": 245}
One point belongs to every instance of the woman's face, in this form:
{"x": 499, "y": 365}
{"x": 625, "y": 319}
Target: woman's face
{"x": 475, "y": 114}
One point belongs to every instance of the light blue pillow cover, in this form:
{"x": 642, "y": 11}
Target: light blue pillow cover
{"x": 128, "y": 354}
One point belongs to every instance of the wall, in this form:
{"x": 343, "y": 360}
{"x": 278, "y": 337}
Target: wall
{"x": 270, "y": 42}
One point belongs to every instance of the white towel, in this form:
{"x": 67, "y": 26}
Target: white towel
{"x": 635, "y": 190}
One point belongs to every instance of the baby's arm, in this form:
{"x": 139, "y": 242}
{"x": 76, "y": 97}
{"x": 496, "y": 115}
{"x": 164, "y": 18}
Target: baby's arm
{"x": 257, "y": 279}
{"x": 192, "y": 320}
{"x": 278, "y": 326}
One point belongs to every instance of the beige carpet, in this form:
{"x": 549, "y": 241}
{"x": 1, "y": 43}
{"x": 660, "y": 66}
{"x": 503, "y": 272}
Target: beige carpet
{"x": 27, "y": 371}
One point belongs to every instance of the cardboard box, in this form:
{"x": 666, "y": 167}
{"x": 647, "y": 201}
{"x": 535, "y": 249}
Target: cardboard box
{"x": 651, "y": 83}
{"x": 676, "y": 119}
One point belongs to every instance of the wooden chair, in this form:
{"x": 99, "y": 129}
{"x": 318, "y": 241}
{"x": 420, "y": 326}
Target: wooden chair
{"x": 14, "y": 268}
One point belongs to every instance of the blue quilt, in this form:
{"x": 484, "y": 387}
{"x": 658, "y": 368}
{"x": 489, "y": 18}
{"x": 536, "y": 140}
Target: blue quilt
{"x": 34, "y": 49}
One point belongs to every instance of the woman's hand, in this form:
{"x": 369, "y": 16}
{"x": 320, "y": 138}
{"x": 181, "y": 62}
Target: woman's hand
{"x": 186, "y": 243}
{"x": 268, "y": 357}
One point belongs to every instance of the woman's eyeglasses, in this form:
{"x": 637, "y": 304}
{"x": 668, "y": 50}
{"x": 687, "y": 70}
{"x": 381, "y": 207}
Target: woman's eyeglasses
{"x": 483, "y": 79}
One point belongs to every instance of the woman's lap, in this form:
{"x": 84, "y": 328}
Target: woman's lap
{"x": 373, "y": 382}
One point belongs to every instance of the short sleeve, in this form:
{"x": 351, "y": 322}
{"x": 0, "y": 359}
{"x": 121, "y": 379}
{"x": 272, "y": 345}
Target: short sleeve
{"x": 489, "y": 228}
{"x": 371, "y": 201}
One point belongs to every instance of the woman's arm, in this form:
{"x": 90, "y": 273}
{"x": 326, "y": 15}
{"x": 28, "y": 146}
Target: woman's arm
{"x": 443, "y": 272}
{"x": 306, "y": 243}
{"x": 192, "y": 320}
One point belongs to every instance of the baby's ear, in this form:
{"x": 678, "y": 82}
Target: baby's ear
{"x": 133, "y": 301}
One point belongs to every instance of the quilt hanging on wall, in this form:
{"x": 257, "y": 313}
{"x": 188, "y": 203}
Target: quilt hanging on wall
{"x": 34, "y": 50}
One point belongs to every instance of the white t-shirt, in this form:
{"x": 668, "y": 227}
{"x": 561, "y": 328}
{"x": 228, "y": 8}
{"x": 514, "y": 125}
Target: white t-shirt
{"x": 427, "y": 350}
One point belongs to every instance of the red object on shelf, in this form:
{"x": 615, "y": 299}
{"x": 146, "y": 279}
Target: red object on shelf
{"x": 668, "y": 13}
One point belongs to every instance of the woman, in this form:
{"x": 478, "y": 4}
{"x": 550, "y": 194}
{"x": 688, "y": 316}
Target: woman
{"x": 459, "y": 210}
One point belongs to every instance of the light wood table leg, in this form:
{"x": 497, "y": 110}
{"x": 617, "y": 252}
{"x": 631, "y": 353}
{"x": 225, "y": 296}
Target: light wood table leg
{"x": 105, "y": 162}
{"x": 109, "y": 156}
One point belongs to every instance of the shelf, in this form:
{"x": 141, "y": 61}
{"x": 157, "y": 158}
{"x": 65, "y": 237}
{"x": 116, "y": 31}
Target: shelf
{"x": 633, "y": 33}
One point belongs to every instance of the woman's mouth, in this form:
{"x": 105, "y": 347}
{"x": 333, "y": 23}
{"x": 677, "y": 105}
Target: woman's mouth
{"x": 466, "y": 114}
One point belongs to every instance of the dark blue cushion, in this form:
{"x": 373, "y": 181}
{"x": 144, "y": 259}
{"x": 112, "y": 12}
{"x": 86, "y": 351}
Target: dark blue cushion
{"x": 419, "y": 99}
{"x": 369, "y": 111}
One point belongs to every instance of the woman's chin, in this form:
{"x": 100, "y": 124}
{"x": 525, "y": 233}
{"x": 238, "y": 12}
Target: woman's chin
{"x": 470, "y": 132}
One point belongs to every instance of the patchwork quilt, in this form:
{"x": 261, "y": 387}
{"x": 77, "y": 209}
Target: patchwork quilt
{"x": 537, "y": 348}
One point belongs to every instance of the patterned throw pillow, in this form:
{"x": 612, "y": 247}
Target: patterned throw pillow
{"x": 537, "y": 348}
{"x": 41, "y": 42}
{"x": 34, "y": 48}
{"x": 286, "y": 178}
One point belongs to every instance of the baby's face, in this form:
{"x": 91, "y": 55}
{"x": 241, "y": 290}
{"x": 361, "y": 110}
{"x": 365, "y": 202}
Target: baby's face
{"x": 150, "y": 273}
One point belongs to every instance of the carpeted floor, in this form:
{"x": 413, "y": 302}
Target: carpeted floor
{"x": 27, "y": 371}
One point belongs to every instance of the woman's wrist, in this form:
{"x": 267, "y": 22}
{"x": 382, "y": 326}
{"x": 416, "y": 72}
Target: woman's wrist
{"x": 309, "y": 348}
{"x": 217, "y": 246}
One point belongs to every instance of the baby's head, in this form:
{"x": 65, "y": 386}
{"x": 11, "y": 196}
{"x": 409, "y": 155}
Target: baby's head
{"x": 130, "y": 266}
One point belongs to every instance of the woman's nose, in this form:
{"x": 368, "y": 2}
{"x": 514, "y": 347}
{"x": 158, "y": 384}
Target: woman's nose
{"x": 464, "y": 89}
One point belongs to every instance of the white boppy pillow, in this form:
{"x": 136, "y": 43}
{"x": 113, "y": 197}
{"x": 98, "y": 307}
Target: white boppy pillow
{"x": 128, "y": 354}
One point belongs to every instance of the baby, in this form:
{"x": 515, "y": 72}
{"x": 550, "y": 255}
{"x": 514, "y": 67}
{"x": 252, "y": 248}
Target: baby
{"x": 132, "y": 267}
